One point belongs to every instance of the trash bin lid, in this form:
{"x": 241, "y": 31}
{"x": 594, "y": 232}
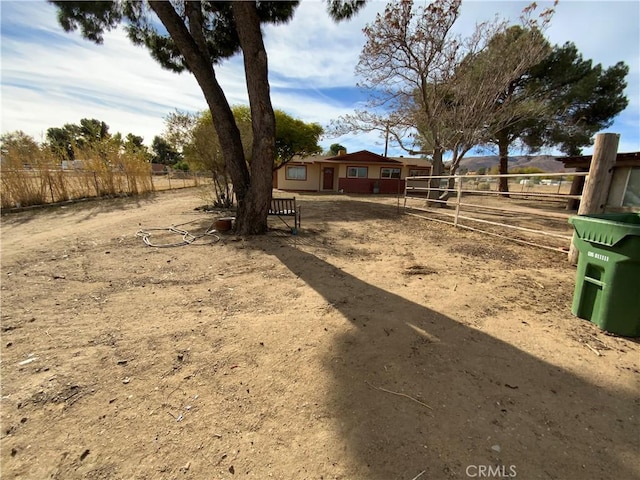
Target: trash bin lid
{"x": 606, "y": 228}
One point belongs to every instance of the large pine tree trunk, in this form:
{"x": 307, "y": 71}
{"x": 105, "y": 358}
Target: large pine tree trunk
{"x": 437, "y": 169}
{"x": 438, "y": 166}
{"x": 199, "y": 64}
{"x": 503, "y": 152}
{"x": 251, "y": 217}
{"x": 252, "y": 189}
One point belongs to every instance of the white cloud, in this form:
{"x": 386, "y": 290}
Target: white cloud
{"x": 50, "y": 77}
{"x": 313, "y": 49}
{"x": 63, "y": 79}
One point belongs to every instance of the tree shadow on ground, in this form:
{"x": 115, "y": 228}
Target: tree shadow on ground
{"x": 348, "y": 208}
{"x": 90, "y": 207}
{"x": 491, "y": 404}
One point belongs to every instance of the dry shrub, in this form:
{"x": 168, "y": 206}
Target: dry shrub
{"x": 22, "y": 185}
{"x": 35, "y": 176}
{"x": 110, "y": 170}
{"x": 137, "y": 172}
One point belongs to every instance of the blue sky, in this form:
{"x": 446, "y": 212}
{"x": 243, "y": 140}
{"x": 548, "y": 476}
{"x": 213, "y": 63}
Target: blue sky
{"x": 49, "y": 77}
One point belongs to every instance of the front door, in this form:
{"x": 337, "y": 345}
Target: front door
{"x": 327, "y": 178}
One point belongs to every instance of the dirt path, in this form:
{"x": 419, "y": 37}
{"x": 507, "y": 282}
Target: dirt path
{"x": 369, "y": 346}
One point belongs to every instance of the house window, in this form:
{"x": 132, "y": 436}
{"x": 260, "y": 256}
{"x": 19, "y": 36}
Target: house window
{"x": 298, "y": 172}
{"x": 357, "y": 172}
{"x": 389, "y": 173}
{"x": 632, "y": 193}
{"x": 419, "y": 173}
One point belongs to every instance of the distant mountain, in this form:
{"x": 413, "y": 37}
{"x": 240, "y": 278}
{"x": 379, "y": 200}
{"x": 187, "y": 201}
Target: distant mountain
{"x": 546, "y": 163}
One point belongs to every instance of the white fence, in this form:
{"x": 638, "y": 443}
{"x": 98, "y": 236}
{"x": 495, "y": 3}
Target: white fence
{"x": 533, "y": 211}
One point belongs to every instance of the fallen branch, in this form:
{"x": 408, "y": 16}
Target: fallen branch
{"x": 399, "y": 394}
{"x": 593, "y": 349}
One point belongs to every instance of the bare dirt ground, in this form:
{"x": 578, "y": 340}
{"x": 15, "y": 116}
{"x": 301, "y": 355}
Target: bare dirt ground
{"x": 371, "y": 345}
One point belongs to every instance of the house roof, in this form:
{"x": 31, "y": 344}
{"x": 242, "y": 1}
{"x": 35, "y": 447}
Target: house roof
{"x": 414, "y": 161}
{"x": 297, "y": 159}
{"x": 583, "y": 161}
{"x": 363, "y": 156}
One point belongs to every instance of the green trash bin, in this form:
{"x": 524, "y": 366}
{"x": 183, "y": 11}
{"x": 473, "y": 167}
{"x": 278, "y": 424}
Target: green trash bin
{"x": 607, "y": 289}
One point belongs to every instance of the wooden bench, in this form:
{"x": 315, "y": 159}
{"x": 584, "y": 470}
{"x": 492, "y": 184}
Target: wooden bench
{"x": 286, "y": 207}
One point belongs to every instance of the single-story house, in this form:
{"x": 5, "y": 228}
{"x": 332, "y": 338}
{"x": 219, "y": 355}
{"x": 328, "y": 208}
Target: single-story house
{"x": 357, "y": 172}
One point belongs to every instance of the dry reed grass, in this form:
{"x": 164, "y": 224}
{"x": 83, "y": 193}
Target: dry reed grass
{"x": 36, "y": 177}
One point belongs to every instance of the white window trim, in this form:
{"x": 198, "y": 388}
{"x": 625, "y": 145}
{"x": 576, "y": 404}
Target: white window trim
{"x": 391, "y": 169}
{"x": 366, "y": 172}
{"x": 295, "y": 179}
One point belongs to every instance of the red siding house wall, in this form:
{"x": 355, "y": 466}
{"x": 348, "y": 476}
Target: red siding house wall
{"x": 367, "y": 185}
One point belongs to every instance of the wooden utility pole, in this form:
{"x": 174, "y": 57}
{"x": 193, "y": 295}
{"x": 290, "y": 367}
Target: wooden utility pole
{"x": 386, "y": 140}
{"x": 596, "y": 189}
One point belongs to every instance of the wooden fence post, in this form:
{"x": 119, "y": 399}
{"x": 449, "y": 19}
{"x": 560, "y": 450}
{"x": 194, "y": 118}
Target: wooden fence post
{"x": 458, "y": 198}
{"x": 596, "y": 189}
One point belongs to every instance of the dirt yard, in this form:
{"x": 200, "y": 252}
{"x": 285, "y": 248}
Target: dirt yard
{"x": 369, "y": 346}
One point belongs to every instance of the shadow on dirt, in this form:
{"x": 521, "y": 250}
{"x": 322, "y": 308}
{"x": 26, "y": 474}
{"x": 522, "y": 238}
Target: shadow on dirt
{"x": 489, "y": 403}
{"x": 90, "y": 207}
{"x": 348, "y": 208}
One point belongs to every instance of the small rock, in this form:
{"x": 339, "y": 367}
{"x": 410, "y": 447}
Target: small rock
{"x": 126, "y": 380}
{"x": 496, "y": 448}
{"x": 232, "y": 470}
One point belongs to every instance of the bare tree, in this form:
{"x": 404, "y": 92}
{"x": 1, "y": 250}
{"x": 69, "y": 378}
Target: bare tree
{"x": 405, "y": 64}
{"x": 432, "y": 90}
{"x": 482, "y": 82}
